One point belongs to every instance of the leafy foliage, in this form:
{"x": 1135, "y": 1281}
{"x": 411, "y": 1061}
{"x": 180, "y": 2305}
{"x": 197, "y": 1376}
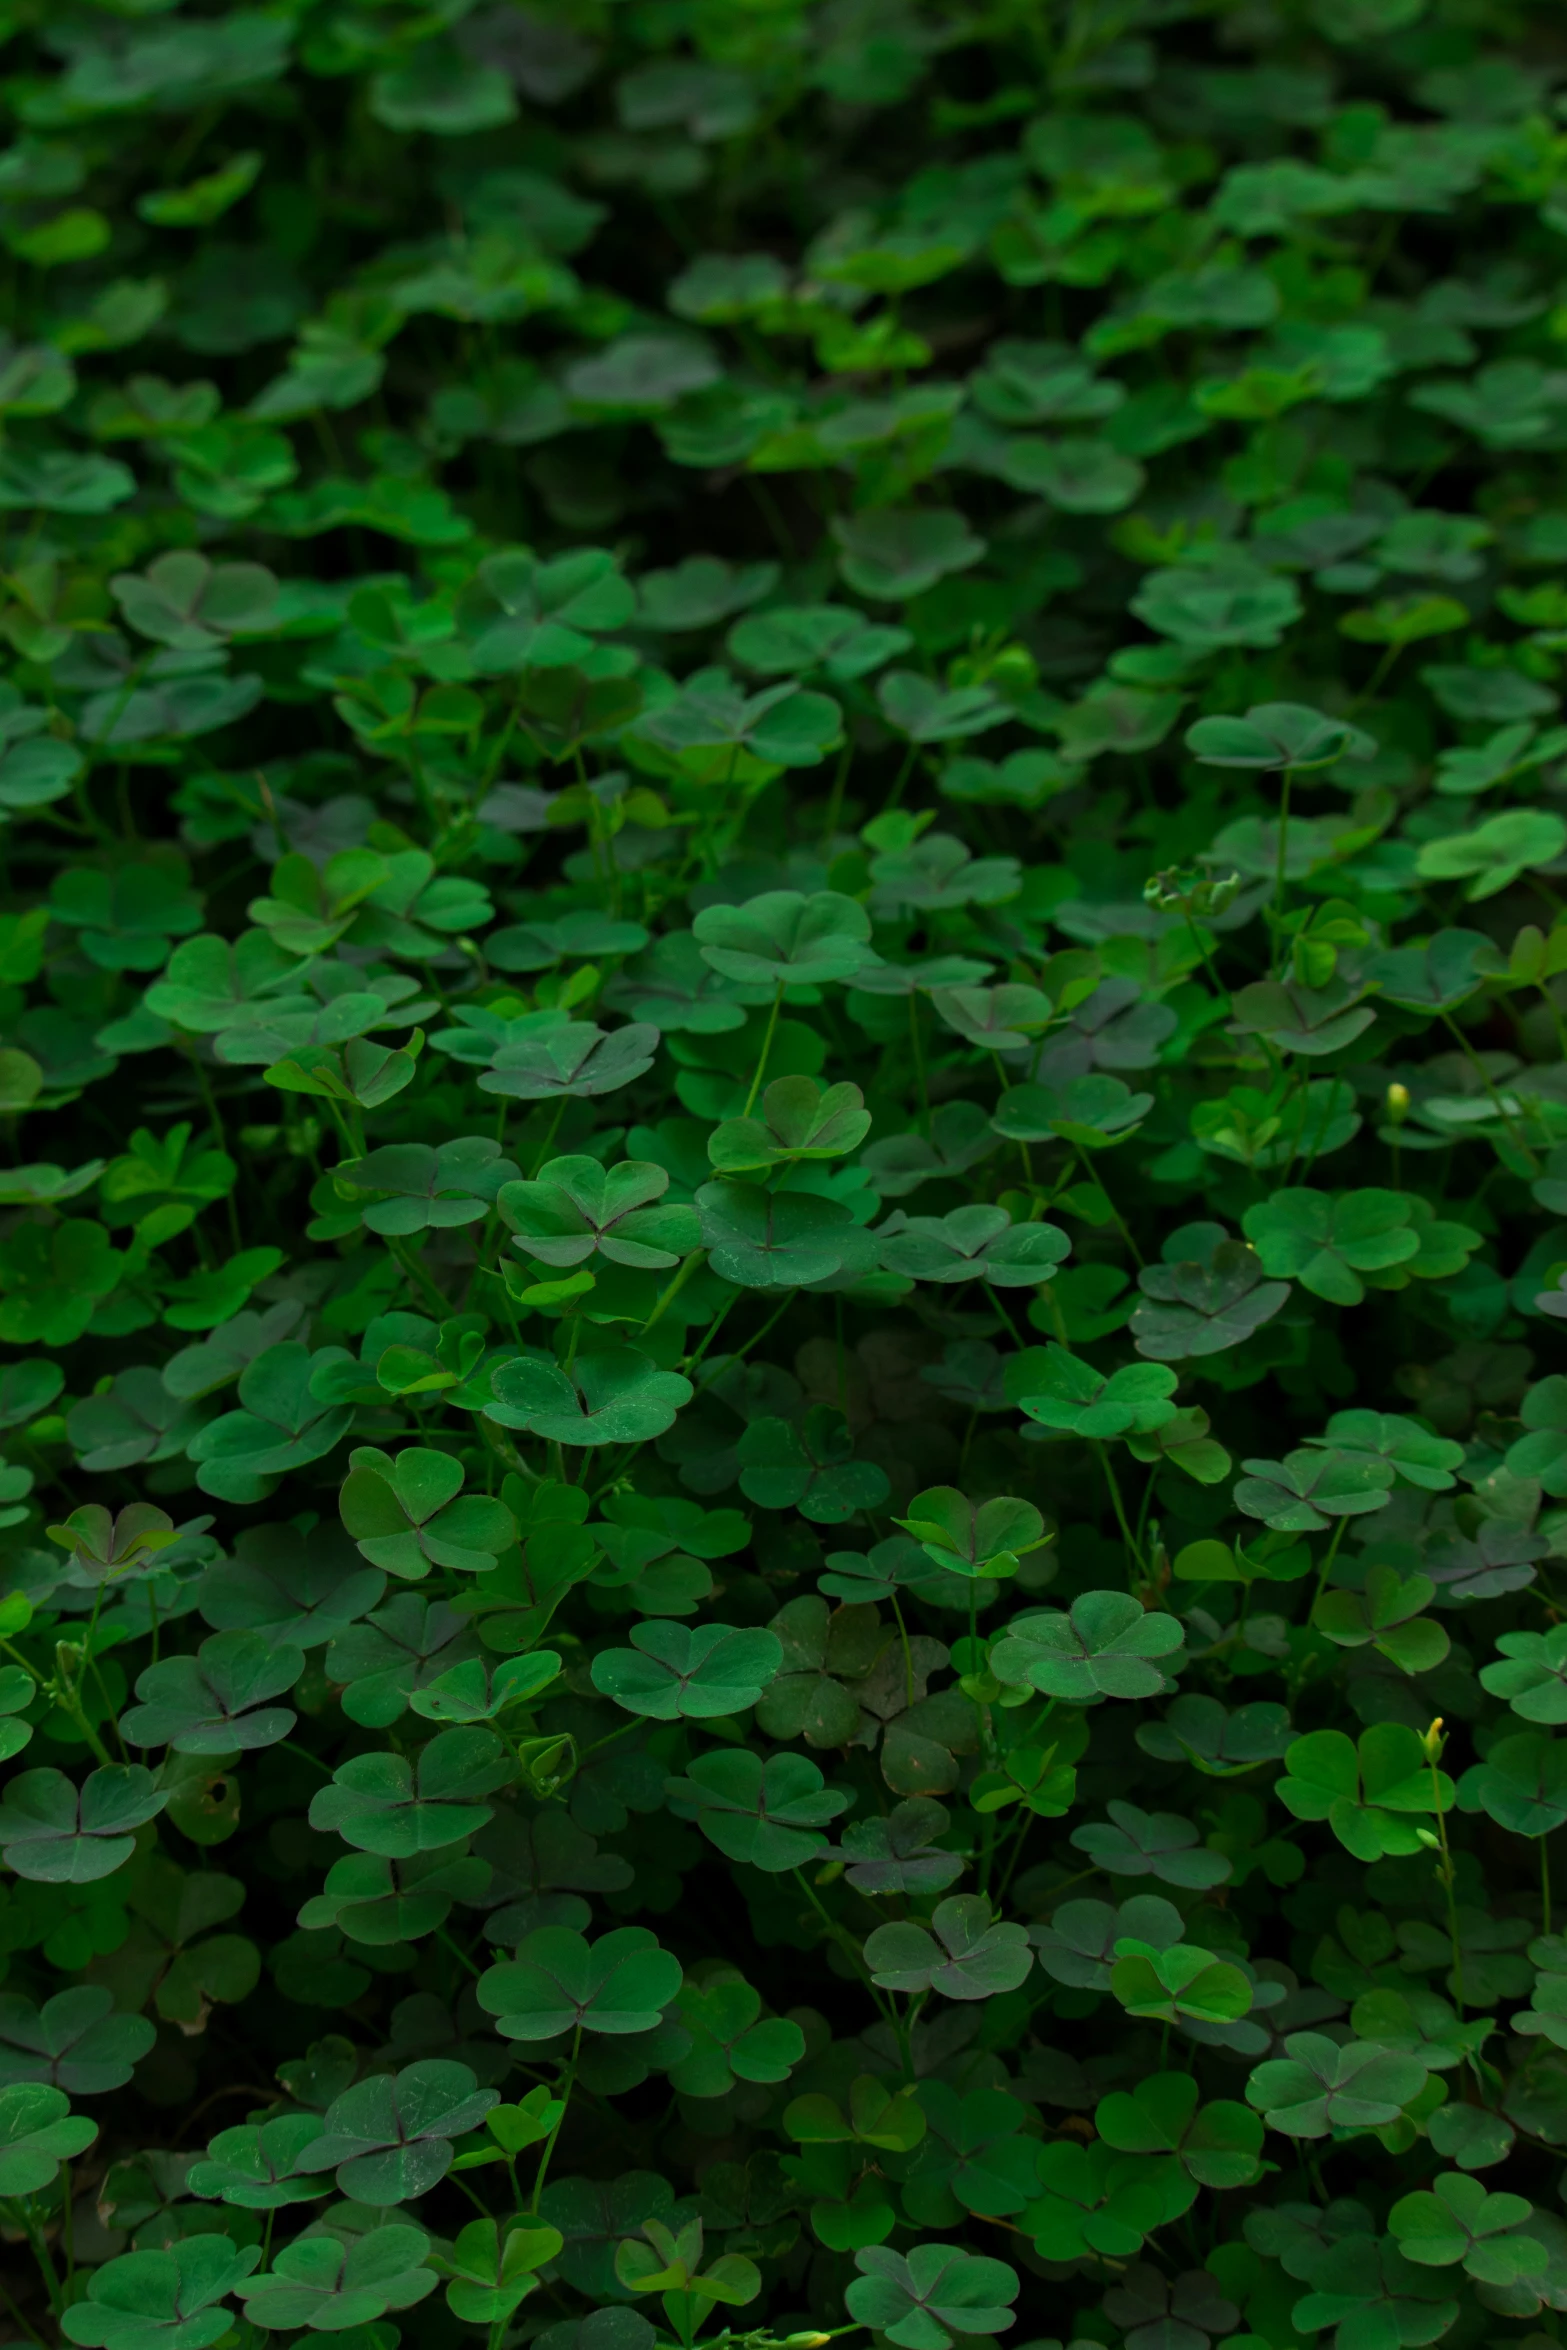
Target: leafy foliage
{"x": 783, "y": 1034}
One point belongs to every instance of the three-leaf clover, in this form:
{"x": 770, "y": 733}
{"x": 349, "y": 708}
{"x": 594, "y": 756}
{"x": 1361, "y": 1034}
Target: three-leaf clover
{"x": 1327, "y": 1243}
{"x": 785, "y": 939}
{"x": 770, "y": 1814}
{"x": 1318, "y": 2086}
{"x": 797, "y": 1118}
{"x": 38, "y": 2131}
{"x": 330, "y": 2283}
{"x": 408, "y": 1514}
{"x": 167, "y": 2300}
{"x": 676, "y": 1670}
{"x": 608, "y": 1396}
{"x": 255, "y": 2165}
{"x": 1170, "y": 1985}
{"x": 576, "y": 1209}
{"x": 1207, "y": 1296}
{"x": 1532, "y": 1674}
{"x": 1370, "y": 1792}
{"x": 978, "y": 1243}
{"x": 417, "y": 1187}
{"x": 974, "y": 1538}
{"x": 75, "y": 2041}
{"x": 1107, "y": 1645}
{"x": 810, "y": 1467}
{"x": 387, "y": 1804}
{"x": 560, "y": 1982}
{"x": 57, "y": 1834}
{"x": 935, "y": 2293}
{"x": 1136, "y": 1843}
{"x": 493, "y": 2265}
{"x": 215, "y": 1702}
{"x": 279, "y": 1425}
{"x": 1459, "y": 2220}
{"x": 1059, "y": 1390}
{"x": 1301, "y": 1493}
{"x": 1277, "y": 735}
{"x": 965, "y": 1953}
{"x": 389, "y": 2138}
{"x": 779, "y": 1240}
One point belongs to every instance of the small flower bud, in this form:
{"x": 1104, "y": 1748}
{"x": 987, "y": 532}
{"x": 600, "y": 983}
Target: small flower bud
{"x": 1397, "y": 1104}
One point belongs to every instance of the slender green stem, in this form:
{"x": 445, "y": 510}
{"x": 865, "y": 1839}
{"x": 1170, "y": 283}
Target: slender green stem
{"x": 1092, "y": 1174}
{"x": 1278, "y": 871}
{"x": 904, "y": 772}
{"x": 550, "y": 1133}
{"x": 32, "y": 2336}
{"x": 741, "y": 1351}
{"x": 567, "y": 2085}
{"x": 767, "y": 1046}
{"x": 835, "y": 801}
{"x": 1122, "y": 1520}
{"x": 918, "y": 1045}
{"x": 1497, "y": 1103}
{"x": 713, "y": 1329}
{"x": 1449, "y": 1881}
{"x": 692, "y": 1264}
{"x": 1006, "y": 1320}
{"x": 418, "y": 1279}
{"x": 1545, "y": 1884}
{"x": 849, "y": 1946}
{"x": 1326, "y": 1568}
{"x": 35, "y": 2237}
{"x": 457, "y": 1951}
{"x": 908, "y": 1656}
{"x": 1196, "y": 935}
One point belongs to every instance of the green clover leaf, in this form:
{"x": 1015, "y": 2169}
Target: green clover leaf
{"x": 406, "y": 1515}
{"x": 389, "y": 2139}
{"x": 609, "y": 1396}
{"x": 783, "y": 939}
{"x": 278, "y": 1426}
{"x": 575, "y": 1209}
{"x": 770, "y": 1814}
{"x": 215, "y": 1702}
{"x": 320, "y": 2282}
{"x": 493, "y": 2266}
{"x": 798, "y": 1119}
{"x": 164, "y": 2300}
{"x": 1057, "y": 1389}
{"x": 383, "y": 1803}
{"x": 938, "y": 2292}
{"x": 1326, "y": 1244}
{"x": 55, "y": 1834}
{"x": 38, "y": 2132}
{"x": 419, "y": 1188}
{"x": 1300, "y": 1494}
{"x": 966, "y": 1953}
{"x": 974, "y": 1538}
{"x": 256, "y": 2164}
{"x": 559, "y": 1982}
{"x": 1170, "y": 1985}
{"x": 977, "y": 1243}
{"x": 672, "y": 1670}
{"x": 810, "y": 1468}
{"x": 1318, "y": 2086}
{"x": 1369, "y": 1792}
{"x": 1218, "y": 2145}
{"x": 1106, "y": 1646}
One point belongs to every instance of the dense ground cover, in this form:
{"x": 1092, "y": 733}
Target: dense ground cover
{"x": 785, "y": 1234}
